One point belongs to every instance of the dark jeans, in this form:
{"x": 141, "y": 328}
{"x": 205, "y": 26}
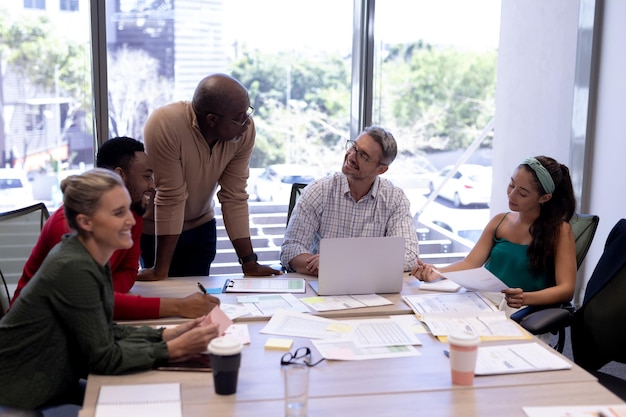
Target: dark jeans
{"x": 194, "y": 251}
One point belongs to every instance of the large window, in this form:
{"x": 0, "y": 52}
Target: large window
{"x": 430, "y": 70}
{"x": 45, "y": 99}
{"x": 434, "y": 76}
{"x": 294, "y": 57}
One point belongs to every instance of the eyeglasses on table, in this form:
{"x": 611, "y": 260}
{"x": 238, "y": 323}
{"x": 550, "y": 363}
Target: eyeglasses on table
{"x": 301, "y": 355}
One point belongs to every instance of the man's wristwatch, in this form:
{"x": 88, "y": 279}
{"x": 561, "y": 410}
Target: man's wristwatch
{"x": 251, "y": 257}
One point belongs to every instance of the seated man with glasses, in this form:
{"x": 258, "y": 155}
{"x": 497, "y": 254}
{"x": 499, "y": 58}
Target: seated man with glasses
{"x": 355, "y": 202}
{"x": 196, "y": 146}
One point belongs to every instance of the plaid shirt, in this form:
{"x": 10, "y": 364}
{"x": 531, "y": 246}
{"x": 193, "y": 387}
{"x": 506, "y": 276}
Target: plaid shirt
{"x": 326, "y": 210}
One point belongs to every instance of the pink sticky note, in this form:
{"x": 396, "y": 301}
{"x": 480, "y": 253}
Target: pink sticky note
{"x": 220, "y": 318}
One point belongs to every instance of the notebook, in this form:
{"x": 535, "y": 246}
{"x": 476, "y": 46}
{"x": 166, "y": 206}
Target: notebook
{"x": 360, "y": 265}
{"x": 149, "y": 400}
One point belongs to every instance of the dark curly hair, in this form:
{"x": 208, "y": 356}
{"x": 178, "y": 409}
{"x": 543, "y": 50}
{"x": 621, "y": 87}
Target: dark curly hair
{"x": 560, "y": 208}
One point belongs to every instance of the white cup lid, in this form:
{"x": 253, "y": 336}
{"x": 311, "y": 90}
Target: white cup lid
{"x": 465, "y": 338}
{"x": 225, "y": 345}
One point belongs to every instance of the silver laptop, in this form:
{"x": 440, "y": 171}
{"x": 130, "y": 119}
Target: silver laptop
{"x": 360, "y": 265}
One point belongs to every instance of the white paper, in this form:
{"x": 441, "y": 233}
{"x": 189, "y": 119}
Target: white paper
{"x": 467, "y": 302}
{"x": 477, "y": 279}
{"x": 144, "y": 400}
{"x": 349, "y": 351}
{"x": 382, "y": 332}
{"x": 290, "y": 323}
{"x": 234, "y": 311}
{"x": 240, "y": 331}
{"x": 344, "y": 302}
{"x": 516, "y": 358}
{"x": 442, "y": 285}
{"x": 493, "y": 323}
{"x": 266, "y": 305}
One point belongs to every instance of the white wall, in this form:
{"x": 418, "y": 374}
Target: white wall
{"x": 608, "y": 185}
{"x": 534, "y": 90}
{"x": 534, "y": 95}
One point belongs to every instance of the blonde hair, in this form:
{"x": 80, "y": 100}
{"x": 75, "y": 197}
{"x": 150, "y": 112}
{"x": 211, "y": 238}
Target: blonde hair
{"x": 82, "y": 193}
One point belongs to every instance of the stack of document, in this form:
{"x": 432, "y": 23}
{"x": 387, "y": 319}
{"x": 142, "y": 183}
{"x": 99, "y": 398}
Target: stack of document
{"x": 448, "y": 313}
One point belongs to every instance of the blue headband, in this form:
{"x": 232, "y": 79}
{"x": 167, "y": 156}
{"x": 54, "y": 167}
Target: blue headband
{"x": 542, "y": 173}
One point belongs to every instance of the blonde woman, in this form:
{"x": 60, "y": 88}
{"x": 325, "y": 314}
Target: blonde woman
{"x": 61, "y": 328}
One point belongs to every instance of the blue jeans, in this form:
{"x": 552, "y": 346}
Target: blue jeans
{"x": 194, "y": 253}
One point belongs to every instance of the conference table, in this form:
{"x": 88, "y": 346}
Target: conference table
{"x": 418, "y": 385}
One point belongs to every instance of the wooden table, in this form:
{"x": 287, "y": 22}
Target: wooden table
{"x": 486, "y": 402}
{"x": 419, "y": 385}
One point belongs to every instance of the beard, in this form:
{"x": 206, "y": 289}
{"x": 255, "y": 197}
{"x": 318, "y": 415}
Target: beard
{"x": 138, "y": 208}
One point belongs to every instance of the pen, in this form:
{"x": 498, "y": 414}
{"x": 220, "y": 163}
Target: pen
{"x": 446, "y": 352}
{"x": 202, "y": 289}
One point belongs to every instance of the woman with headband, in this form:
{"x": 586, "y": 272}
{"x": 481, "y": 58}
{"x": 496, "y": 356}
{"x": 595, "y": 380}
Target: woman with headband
{"x": 531, "y": 248}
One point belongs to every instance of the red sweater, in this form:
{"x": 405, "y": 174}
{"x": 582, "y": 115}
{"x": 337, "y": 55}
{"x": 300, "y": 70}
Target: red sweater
{"x": 124, "y": 266}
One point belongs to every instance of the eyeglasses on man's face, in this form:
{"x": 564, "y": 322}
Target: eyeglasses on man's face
{"x": 301, "y": 355}
{"x": 361, "y": 156}
{"x": 238, "y": 123}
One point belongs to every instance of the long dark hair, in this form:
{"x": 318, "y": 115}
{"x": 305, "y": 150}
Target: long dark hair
{"x": 560, "y": 208}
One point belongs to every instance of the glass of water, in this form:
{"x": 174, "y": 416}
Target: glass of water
{"x": 296, "y": 376}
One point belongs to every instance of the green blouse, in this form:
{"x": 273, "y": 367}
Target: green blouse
{"x": 509, "y": 262}
{"x": 60, "y": 329}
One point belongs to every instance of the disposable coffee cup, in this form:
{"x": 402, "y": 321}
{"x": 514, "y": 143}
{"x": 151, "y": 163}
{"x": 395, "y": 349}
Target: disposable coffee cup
{"x": 225, "y": 353}
{"x": 463, "y": 354}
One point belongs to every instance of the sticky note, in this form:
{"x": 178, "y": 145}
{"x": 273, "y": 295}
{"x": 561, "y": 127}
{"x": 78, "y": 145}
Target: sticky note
{"x": 274, "y": 343}
{"x": 218, "y": 316}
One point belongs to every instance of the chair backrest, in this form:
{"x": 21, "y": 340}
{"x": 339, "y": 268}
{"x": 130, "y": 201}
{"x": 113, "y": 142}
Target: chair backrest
{"x": 597, "y": 335}
{"x": 584, "y": 227}
{"x": 296, "y": 191}
{"x": 19, "y": 231}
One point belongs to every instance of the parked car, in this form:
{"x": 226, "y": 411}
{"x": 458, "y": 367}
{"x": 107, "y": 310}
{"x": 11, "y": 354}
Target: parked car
{"x": 471, "y": 184}
{"x": 15, "y": 190}
{"x": 274, "y": 184}
{"x": 465, "y": 223}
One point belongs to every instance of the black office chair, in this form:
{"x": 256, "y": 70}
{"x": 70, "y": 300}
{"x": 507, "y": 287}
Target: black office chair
{"x": 555, "y": 320}
{"x": 296, "y": 192}
{"x": 597, "y": 332}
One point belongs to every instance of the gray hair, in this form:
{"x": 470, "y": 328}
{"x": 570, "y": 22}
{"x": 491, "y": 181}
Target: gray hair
{"x": 82, "y": 193}
{"x": 386, "y": 141}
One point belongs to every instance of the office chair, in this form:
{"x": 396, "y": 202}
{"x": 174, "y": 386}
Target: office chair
{"x": 296, "y": 192}
{"x": 598, "y": 336}
{"x": 19, "y": 231}
{"x": 555, "y": 320}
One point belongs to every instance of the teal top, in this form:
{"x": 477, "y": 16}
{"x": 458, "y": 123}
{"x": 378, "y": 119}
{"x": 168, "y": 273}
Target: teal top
{"x": 509, "y": 262}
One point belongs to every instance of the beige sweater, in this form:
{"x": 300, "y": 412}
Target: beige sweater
{"x": 187, "y": 173}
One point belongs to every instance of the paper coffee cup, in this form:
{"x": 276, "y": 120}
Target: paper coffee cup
{"x": 225, "y": 353}
{"x": 463, "y": 354}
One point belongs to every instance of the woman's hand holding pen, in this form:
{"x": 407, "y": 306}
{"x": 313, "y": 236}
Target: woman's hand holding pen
{"x": 425, "y": 272}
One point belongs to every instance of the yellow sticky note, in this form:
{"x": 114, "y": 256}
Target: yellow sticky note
{"x": 274, "y": 343}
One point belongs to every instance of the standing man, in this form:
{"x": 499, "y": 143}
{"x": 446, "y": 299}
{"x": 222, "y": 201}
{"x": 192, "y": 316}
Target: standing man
{"x": 127, "y": 158}
{"x": 355, "y": 202}
{"x": 194, "y": 148}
